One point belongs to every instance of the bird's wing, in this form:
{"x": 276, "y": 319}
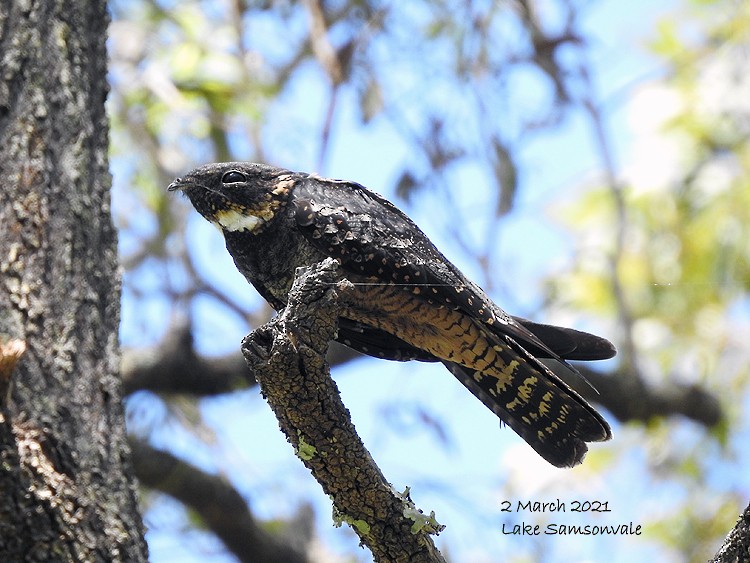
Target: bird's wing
{"x": 377, "y": 244}
{"x": 379, "y": 343}
{"x": 568, "y": 343}
{"x": 373, "y": 238}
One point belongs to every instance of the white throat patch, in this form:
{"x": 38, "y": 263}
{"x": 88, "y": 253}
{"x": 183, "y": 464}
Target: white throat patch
{"x": 232, "y": 220}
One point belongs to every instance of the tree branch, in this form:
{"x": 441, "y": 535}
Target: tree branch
{"x": 736, "y": 547}
{"x": 615, "y": 392}
{"x": 173, "y": 366}
{"x": 287, "y": 356}
{"x": 221, "y": 507}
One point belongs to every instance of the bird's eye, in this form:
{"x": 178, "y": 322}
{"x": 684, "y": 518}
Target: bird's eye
{"x": 233, "y": 176}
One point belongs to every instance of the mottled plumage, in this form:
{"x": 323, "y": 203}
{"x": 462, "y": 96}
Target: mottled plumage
{"x": 409, "y": 301}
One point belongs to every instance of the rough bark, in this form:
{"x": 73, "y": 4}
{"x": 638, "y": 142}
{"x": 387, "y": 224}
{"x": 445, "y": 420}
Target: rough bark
{"x": 66, "y": 491}
{"x": 287, "y": 356}
{"x": 736, "y": 547}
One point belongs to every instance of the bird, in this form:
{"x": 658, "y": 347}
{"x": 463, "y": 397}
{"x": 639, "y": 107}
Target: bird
{"x": 408, "y": 301}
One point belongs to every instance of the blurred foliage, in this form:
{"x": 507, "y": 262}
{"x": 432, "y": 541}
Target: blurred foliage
{"x": 661, "y": 248}
{"x": 684, "y": 265}
{"x": 685, "y": 261}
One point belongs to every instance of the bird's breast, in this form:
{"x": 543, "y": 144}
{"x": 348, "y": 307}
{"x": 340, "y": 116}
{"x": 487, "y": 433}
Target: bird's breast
{"x": 269, "y": 259}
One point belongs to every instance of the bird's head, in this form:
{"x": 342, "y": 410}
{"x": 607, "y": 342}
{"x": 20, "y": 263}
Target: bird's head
{"x": 236, "y": 196}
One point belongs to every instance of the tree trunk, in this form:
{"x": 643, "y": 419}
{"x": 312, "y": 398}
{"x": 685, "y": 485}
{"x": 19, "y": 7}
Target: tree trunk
{"x": 66, "y": 489}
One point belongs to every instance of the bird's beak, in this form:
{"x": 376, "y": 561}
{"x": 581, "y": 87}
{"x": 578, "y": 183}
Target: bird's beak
{"x": 177, "y": 184}
{"x": 185, "y": 184}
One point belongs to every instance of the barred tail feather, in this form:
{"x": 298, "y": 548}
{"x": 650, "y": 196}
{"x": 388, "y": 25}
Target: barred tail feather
{"x": 539, "y": 407}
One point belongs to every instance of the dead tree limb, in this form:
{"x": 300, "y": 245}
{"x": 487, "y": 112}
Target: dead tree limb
{"x": 287, "y": 357}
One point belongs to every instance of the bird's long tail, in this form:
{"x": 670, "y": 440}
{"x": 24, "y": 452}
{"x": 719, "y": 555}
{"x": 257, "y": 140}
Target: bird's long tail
{"x": 542, "y": 409}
